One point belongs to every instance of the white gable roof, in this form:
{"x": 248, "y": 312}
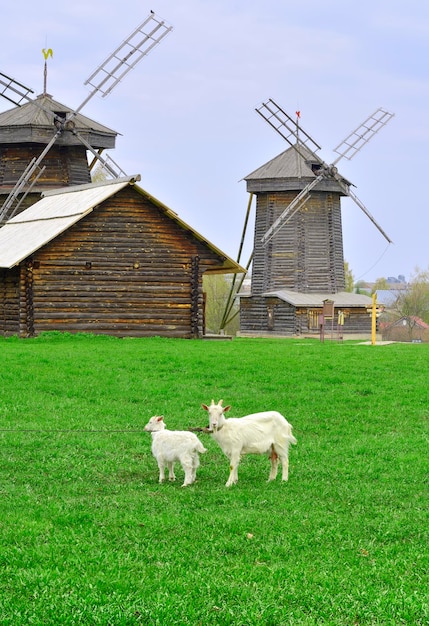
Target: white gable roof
{"x": 49, "y": 217}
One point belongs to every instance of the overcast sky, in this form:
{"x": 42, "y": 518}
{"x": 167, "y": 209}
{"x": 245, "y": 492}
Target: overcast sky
{"x": 186, "y": 114}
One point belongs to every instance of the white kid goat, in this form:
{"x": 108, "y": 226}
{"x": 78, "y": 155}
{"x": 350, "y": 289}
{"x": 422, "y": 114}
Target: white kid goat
{"x": 258, "y": 433}
{"x": 169, "y": 446}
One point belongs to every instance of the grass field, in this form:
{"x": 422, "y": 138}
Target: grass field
{"x": 88, "y": 536}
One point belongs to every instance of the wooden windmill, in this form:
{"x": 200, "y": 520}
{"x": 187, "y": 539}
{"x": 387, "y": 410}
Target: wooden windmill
{"x": 66, "y": 135}
{"x": 298, "y": 242}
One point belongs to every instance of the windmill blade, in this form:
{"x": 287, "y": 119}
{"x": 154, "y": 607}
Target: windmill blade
{"x": 360, "y": 204}
{"x": 290, "y": 210}
{"x": 359, "y": 137}
{"x": 108, "y": 164}
{"x": 141, "y": 41}
{"x": 14, "y": 91}
{"x": 105, "y": 163}
{"x": 12, "y": 204}
{"x": 288, "y": 128}
{"x": 25, "y": 179}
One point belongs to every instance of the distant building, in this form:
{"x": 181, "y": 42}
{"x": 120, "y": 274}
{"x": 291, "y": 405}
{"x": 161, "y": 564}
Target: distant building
{"x": 406, "y": 329}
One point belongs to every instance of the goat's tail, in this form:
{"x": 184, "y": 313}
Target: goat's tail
{"x": 200, "y": 448}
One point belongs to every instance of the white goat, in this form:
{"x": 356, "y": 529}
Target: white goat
{"x": 258, "y": 433}
{"x": 169, "y": 446}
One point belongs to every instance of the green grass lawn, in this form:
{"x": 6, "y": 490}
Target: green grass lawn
{"x": 88, "y": 536}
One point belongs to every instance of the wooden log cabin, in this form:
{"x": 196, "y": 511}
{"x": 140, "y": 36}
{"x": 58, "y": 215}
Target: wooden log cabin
{"x": 104, "y": 258}
{"x": 302, "y": 266}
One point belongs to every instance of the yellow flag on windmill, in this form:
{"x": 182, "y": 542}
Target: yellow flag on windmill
{"x": 47, "y": 52}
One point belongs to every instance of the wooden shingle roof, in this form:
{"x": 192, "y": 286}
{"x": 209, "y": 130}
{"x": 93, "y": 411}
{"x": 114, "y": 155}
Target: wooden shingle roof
{"x": 289, "y": 171}
{"x": 315, "y": 300}
{"x": 33, "y": 123}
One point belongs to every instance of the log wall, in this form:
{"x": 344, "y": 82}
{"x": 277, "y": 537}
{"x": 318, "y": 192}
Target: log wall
{"x": 65, "y": 165}
{"x": 9, "y": 301}
{"x": 306, "y": 254}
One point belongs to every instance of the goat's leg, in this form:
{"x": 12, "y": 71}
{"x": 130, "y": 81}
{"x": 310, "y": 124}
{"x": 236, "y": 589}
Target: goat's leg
{"x": 188, "y": 468}
{"x": 274, "y": 458}
{"x": 283, "y": 453}
{"x": 161, "y": 470}
{"x": 233, "y": 474}
{"x": 285, "y": 468}
{"x": 171, "y": 474}
{"x": 195, "y": 465}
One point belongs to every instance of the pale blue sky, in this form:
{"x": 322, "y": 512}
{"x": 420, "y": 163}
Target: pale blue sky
{"x": 186, "y": 112}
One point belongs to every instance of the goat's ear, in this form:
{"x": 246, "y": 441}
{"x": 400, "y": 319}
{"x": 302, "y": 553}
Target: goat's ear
{"x": 205, "y": 407}
{"x": 228, "y": 406}
{"x": 160, "y": 418}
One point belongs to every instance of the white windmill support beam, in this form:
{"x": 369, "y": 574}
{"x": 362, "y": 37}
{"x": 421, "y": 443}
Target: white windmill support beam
{"x": 126, "y": 56}
{"x": 360, "y": 204}
{"x": 113, "y": 170}
{"x": 110, "y": 164}
{"x": 31, "y": 168}
{"x": 359, "y": 137}
{"x": 14, "y": 91}
{"x": 12, "y": 203}
{"x": 16, "y": 202}
{"x": 290, "y": 211}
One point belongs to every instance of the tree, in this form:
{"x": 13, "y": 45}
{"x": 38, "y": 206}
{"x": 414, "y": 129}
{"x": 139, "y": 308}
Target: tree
{"x": 362, "y": 288}
{"x": 98, "y": 175}
{"x": 380, "y": 283}
{"x": 413, "y": 302}
{"x": 217, "y": 288}
{"x": 349, "y": 278}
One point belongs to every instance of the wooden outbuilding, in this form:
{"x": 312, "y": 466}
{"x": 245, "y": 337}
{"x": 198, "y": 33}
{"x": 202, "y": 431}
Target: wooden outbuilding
{"x": 104, "y": 258}
{"x": 287, "y": 312}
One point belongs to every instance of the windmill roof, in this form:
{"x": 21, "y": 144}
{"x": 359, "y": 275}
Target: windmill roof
{"x": 286, "y": 165}
{"x": 34, "y": 122}
{"x": 289, "y": 170}
{"x": 37, "y": 112}
{"x": 58, "y": 210}
{"x": 341, "y": 299}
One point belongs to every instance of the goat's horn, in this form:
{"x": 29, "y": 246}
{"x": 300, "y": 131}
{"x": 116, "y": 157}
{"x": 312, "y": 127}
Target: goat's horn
{"x": 220, "y": 402}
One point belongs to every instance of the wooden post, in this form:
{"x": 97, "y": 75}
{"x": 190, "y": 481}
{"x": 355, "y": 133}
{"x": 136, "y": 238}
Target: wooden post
{"x": 373, "y": 319}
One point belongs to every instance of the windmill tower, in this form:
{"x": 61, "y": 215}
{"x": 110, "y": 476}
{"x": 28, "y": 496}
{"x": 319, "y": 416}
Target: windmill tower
{"x": 45, "y": 144}
{"x": 25, "y": 130}
{"x": 298, "y": 256}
